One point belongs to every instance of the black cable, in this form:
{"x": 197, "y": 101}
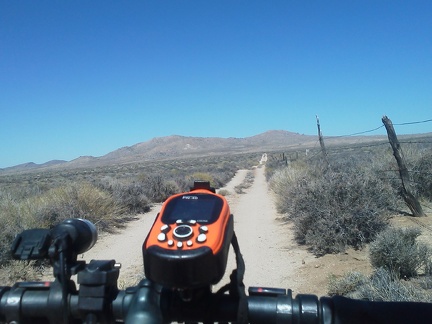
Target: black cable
{"x": 354, "y": 134}
{"x": 416, "y": 122}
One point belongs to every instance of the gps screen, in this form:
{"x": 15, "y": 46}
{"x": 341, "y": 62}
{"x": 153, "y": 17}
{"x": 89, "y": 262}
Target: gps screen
{"x": 202, "y": 208}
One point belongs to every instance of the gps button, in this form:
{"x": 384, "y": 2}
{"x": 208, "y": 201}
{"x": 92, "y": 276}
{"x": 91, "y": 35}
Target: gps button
{"x": 183, "y": 232}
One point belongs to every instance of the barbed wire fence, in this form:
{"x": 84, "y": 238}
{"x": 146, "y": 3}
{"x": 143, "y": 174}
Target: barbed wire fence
{"x": 416, "y": 143}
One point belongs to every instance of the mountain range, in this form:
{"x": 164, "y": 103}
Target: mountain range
{"x": 175, "y": 146}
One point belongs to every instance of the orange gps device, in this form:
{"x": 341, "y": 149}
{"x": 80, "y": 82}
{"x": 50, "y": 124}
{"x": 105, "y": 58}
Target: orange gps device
{"x": 188, "y": 244}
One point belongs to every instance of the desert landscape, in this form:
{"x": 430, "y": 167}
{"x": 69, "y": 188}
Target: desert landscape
{"x": 267, "y": 237}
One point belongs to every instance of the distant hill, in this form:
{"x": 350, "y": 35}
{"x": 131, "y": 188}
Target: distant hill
{"x": 168, "y": 147}
{"x": 175, "y": 146}
{"x": 32, "y": 166}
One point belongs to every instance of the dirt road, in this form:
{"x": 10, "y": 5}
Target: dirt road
{"x": 272, "y": 257}
{"x": 264, "y": 241}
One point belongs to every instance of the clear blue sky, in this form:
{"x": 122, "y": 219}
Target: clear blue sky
{"x": 88, "y": 77}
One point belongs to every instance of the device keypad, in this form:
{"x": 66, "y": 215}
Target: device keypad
{"x": 183, "y": 234}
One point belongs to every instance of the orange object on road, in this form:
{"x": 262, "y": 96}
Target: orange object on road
{"x": 188, "y": 243}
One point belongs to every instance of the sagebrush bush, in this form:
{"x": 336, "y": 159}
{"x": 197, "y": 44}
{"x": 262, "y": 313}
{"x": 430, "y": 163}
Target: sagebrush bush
{"x": 422, "y": 175}
{"x": 156, "y": 188}
{"x": 203, "y": 177}
{"x": 397, "y": 250}
{"x": 382, "y": 285}
{"x": 346, "y": 285}
{"x": 128, "y": 194}
{"x": 333, "y": 209}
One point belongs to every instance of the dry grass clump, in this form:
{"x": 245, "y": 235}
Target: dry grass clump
{"x": 13, "y": 220}
{"x": 21, "y": 271}
{"x": 75, "y": 200}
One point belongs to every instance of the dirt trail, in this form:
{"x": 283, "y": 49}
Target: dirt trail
{"x": 125, "y": 247}
{"x": 264, "y": 240}
{"x": 272, "y": 257}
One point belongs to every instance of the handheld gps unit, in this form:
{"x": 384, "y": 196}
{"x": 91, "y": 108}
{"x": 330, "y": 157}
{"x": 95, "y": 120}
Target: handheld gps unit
{"x": 188, "y": 244}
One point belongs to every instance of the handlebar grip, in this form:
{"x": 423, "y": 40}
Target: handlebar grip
{"x": 354, "y": 311}
{"x": 30, "y": 300}
{"x": 282, "y": 308}
{"x": 3, "y": 290}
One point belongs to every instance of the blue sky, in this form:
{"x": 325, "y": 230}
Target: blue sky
{"x": 87, "y": 77}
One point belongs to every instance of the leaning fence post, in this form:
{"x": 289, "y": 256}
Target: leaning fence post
{"x": 411, "y": 201}
{"x": 321, "y": 140}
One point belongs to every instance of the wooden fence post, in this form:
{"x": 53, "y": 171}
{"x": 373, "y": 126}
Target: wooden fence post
{"x": 321, "y": 140}
{"x": 411, "y": 201}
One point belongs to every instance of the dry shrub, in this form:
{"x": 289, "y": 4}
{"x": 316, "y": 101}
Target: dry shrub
{"x": 203, "y": 177}
{"x": 157, "y": 188}
{"x": 16, "y": 271}
{"x": 282, "y": 181}
{"x": 382, "y": 285}
{"x": 130, "y": 195}
{"x": 76, "y": 200}
{"x": 274, "y": 163}
{"x": 12, "y": 221}
{"x": 422, "y": 175}
{"x": 397, "y": 259}
{"x": 347, "y": 284}
{"x": 397, "y": 251}
{"x": 333, "y": 209}
{"x": 224, "y": 192}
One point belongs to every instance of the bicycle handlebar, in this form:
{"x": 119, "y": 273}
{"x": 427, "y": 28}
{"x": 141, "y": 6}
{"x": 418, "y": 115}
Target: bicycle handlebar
{"x": 98, "y": 299}
{"x": 149, "y": 303}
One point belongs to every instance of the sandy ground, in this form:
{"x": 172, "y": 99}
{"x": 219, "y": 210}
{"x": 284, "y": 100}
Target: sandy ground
{"x": 125, "y": 247}
{"x": 272, "y": 258}
{"x": 264, "y": 241}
